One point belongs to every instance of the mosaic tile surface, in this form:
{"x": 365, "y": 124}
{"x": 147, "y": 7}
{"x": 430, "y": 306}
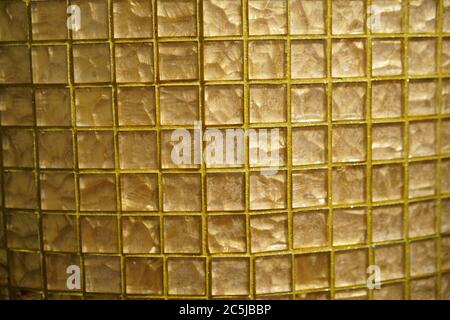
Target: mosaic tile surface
{"x": 360, "y": 93}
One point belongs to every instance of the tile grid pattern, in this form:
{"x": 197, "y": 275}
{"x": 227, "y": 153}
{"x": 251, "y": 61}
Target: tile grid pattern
{"x": 291, "y": 251}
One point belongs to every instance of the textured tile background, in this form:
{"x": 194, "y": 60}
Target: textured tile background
{"x": 363, "y": 104}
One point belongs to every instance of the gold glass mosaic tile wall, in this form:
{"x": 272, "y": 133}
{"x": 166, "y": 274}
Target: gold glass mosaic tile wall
{"x": 359, "y": 91}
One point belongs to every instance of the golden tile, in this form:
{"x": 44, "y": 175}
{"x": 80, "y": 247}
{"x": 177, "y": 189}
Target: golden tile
{"x": 348, "y": 58}
{"x": 225, "y": 191}
{"x": 422, "y": 16}
{"x": 387, "y": 99}
{"x": 349, "y": 143}
{"x": 144, "y": 275}
{"x": 446, "y": 96}
{"x": 267, "y": 147}
{"x": 15, "y": 65}
{"x": 57, "y": 191}
{"x": 273, "y": 274}
{"x": 390, "y": 292}
{"x": 94, "y": 21}
{"x": 313, "y": 295}
{"x": 230, "y": 276}
{"x": 391, "y": 261}
{"x": 350, "y": 267}
{"x": 91, "y": 63}
{"x": 224, "y": 104}
{"x": 387, "y": 182}
{"x": 17, "y": 107}
{"x": 134, "y": 62}
{"x": 422, "y": 179}
{"x": 445, "y": 248}
{"x": 269, "y": 232}
{"x": 186, "y": 276}
{"x": 49, "y": 64}
{"x": 226, "y": 234}
{"x": 312, "y": 271}
{"x": 102, "y": 274}
{"x": 267, "y": 103}
{"x": 423, "y": 289}
{"x": 267, "y": 191}
{"x": 137, "y": 150}
{"x": 179, "y": 105}
{"x": 387, "y": 58}
{"x": 22, "y": 231}
{"x": 53, "y": 107}
{"x": 423, "y": 97}
{"x": 309, "y": 188}
{"x": 182, "y": 192}
{"x": 445, "y": 179}
{"x": 423, "y": 138}
{"x": 56, "y": 267}
{"x": 445, "y": 136}
{"x": 132, "y": 19}
{"x": 349, "y": 185}
{"x": 14, "y": 21}
{"x": 310, "y": 229}
{"x": 141, "y": 235}
{"x": 25, "y": 294}
{"x": 445, "y": 286}
{"x": 422, "y": 56}
{"x": 222, "y": 18}
{"x": 309, "y": 145}
{"x": 95, "y": 149}
{"x": 266, "y": 59}
{"x": 351, "y": 294}
{"x": 446, "y": 17}
{"x": 422, "y": 219}
{"x": 16, "y": 146}
{"x": 55, "y": 149}
{"x": 348, "y": 16}
{"x": 224, "y": 148}
{"x": 307, "y": 17}
{"x": 2, "y": 233}
{"x": 177, "y": 18}
{"x": 20, "y": 189}
{"x": 48, "y": 20}
{"x": 139, "y": 192}
{"x": 178, "y": 61}
{"x": 60, "y": 232}
{"x": 183, "y": 234}
{"x": 308, "y": 59}
{"x": 445, "y": 221}
{"x": 349, "y": 101}
{"x": 25, "y": 269}
{"x": 175, "y": 146}
{"x": 349, "y": 226}
{"x": 93, "y": 107}
{"x": 3, "y": 271}
{"x": 97, "y": 192}
{"x": 267, "y": 17}
{"x": 446, "y": 55}
{"x": 308, "y": 103}
{"x": 386, "y": 16}
{"x": 99, "y": 234}
{"x": 387, "y": 141}
{"x": 423, "y": 256}
{"x": 136, "y": 106}
{"x": 387, "y": 223}
{"x": 223, "y": 60}
{"x": 269, "y": 297}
